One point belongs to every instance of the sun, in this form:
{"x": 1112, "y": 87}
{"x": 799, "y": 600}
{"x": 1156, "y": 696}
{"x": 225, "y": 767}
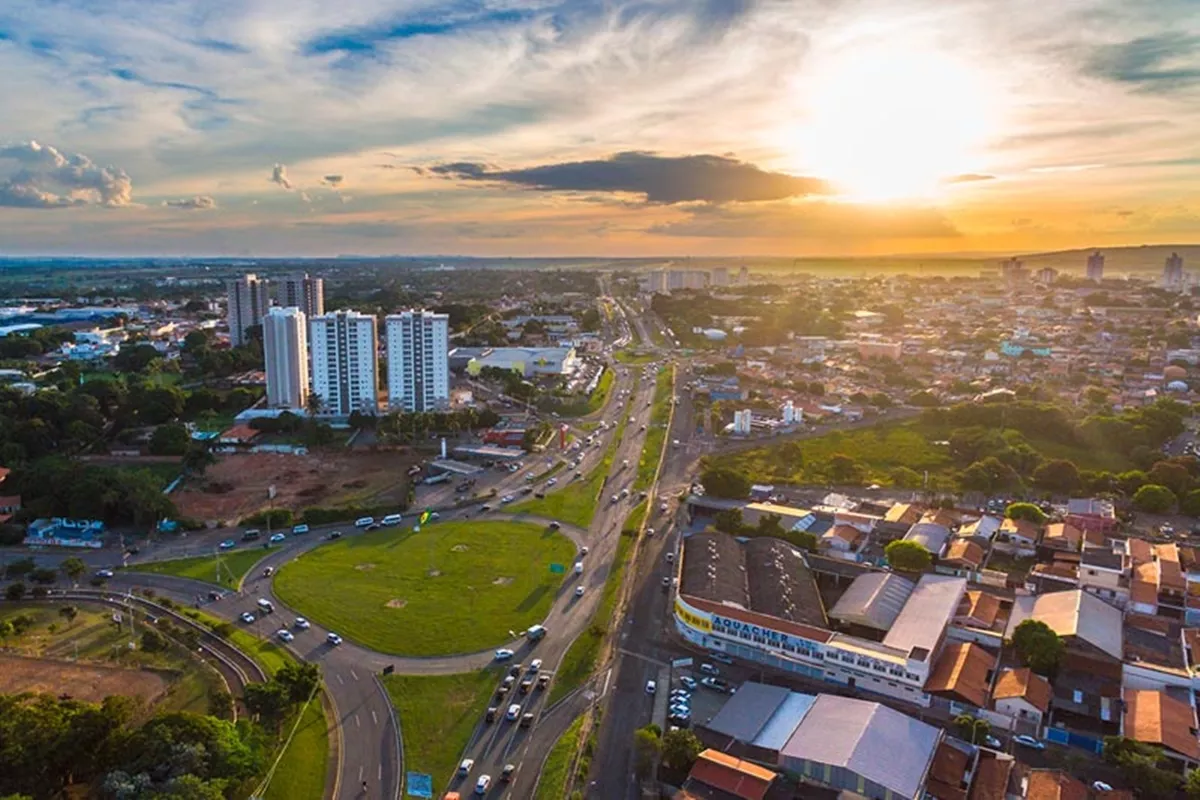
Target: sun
{"x": 889, "y": 122}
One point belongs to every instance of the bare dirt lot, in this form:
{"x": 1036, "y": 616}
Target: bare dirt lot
{"x": 236, "y": 486}
{"x": 81, "y": 681}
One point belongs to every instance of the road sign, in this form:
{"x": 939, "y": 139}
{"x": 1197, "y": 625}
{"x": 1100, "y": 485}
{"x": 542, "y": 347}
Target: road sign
{"x": 682, "y": 662}
{"x": 419, "y": 784}
{"x": 558, "y": 569}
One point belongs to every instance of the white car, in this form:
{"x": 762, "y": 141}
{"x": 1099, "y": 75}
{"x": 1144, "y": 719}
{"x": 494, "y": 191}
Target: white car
{"x": 504, "y": 654}
{"x": 552, "y": 481}
{"x": 363, "y": 522}
{"x": 1029, "y": 741}
{"x": 483, "y": 784}
{"x": 579, "y": 591}
{"x": 513, "y": 712}
{"x": 508, "y": 498}
{"x": 303, "y": 624}
{"x": 284, "y": 635}
{"x": 104, "y": 573}
{"x": 651, "y": 687}
{"x": 583, "y": 551}
{"x": 277, "y": 537}
{"x": 464, "y": 769}
{"x": 247, "y": 617}
{"x": 535, "y": 665}
{"x": 1101, "y": 786}
{"x": 333, "y": 639}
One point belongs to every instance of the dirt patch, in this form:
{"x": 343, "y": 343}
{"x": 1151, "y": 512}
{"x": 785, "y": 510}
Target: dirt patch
{"x": 396, "y": 602}
{"x": 89, "y": 682}
{"x": 236, "y": 486}
{"x": 364, "y": 567}
{"x": 433, "y": 573}
{"x": 502, "y": 581}
{"x": 460, "y": 548}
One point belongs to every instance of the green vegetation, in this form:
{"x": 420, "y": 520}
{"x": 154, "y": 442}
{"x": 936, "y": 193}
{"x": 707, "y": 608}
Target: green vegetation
{"x": 908, "y": 556}
{"x": 437, "y": 715}
{"x": 1038, "y": 646}
{"x": 301, "y": 771}
{"x": 553, "y": 783}
{"x": 1026, "y": 511}
{"x": 634, "y": 358}
{"x": 599, "y": 396}
{"x": 454, "y": 587}
{"x": 232, "y": 566}
{"x": 656, "y": 430}
{"x": 580, "y": 659}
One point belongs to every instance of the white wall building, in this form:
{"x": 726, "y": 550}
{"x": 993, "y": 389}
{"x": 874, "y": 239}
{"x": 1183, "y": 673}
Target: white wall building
{"x": 742, "y": 422}
{"x": 247, "y": 306}
{"x": 418, "y": 346}
{"x": 285, "y": 351}
{"x": 303, "y": 292}
{"x": 344, "y": 362}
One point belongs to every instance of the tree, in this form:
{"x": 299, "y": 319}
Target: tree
{"x": 1026, "y": 511}
{"x": 171, "y": 439}
{"x": 844, "y": 469}
{"x": 680, "y": 749}
{"x": 1190, "y": 504}
{"x": 73, "y": 568}
{"x": 19, "y": 568}
{"x": 972, "y": 728}
{"x": 647, "y": 744}
{"x": 299, "y": 680}
{"x": 729, "y": 520}
{"x": 1139, "y": 765}
{"x": 69, "y": 613}
{"x": 989, "y": 475}
{"x": 153, "y": 641}
{"x": 905, "y": 478}
{"x": 1172, "y": 475}
{"x": 725, "y": 482}
{"x": 268, "y": 701}
{"x": 1154, "y": 499}
{"x": 1038, "y": 646}
{"x": 15, "y": 592}
{"x": 197, "y": 458}
{"x": 1059, "y": 476}
{"x": 1191, "y": 786}
{"x": 6, "y": 630}
{"x": 43, "y": 575}
{"x": 908, "y": 556}
{"x": 314, "y": 404}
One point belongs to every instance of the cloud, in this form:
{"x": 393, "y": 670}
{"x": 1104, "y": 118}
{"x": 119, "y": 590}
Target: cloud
{"x": 1152, "y": 64}
{"x": 197, "y": 203}
{"x": 660, "y": 179}
{"x": 279, "y": 176}
{"x": 333, "y": 180}
{"x": 969, "y": 177}
{"x": 809, "y": 220}
{"x": 49, "y": 178}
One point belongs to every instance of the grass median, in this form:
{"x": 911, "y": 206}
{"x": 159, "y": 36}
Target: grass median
{"x": 438, "y": 714}
{"x": 553, "y": 783}
{"x": 656, "y": 431}
{"x": 225, "y": 570}
{"x": 453, "y": 587}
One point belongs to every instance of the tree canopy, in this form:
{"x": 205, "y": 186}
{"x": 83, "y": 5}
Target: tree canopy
{"x": 1038, "y": 646}
{"x": 724, "y": 482}
{"x": 908, "y": 556}
{"x": 1154, "y": 499}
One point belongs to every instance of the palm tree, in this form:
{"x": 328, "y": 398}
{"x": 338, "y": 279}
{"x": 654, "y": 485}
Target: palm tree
{"x": 973, "y": 728}
{"x": 314, "y": 404}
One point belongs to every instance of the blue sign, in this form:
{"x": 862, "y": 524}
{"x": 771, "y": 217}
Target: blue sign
{"x": 419, "y": 784}
{"x": 557, "y": 569}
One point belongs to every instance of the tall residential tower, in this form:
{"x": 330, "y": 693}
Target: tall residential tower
{"x": 285, "y": 350}
{"x": 344, "y": 362}
{"x": 1095, "y": 266}
{"x": 303, "y": 292}
{"x": 247, "y": 306}
{"x": 418, "y": 346}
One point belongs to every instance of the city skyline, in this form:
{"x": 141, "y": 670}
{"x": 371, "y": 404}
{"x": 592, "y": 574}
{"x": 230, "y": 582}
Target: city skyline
{"x": 546, "y": 128}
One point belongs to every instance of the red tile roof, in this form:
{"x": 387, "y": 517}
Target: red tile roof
{"x": 962, "y": 669}
{"x": 733, "y": 775}
{"x": 1023, "y": 683}
{"x": 1157, "y": 718}
{"x": 1054, "y": 784}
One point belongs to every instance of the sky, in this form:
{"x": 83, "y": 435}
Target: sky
{"x": 596, "y": 127}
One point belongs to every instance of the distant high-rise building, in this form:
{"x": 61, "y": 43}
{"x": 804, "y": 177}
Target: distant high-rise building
{"x": 345, "y": 371}
{"x": 743, "y": 276}
{"x": 285, "y": 351}
{"x": 656, "y": 282}
{"x": 247, "y": 306}
{"x": 1047, "y": 275}
{"x": 303, "y": 292}
{"x": 1095, "y": 266}
{"x": 743, "y": 422}
{"x": 418, "y": 348}
{"x": 789, "y": 413}
{"x": 1173, "y": 272}
{"x": 1013, "y": 271}
{"x": 720, "y": 276}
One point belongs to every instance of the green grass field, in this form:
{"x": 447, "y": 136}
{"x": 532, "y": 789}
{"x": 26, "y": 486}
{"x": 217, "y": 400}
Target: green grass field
{"x": 438, "y": 714}
{"x": 455, "y": 587}
{"x": 634, "y": 358}
{"x": 656, "y": 430}
{"x": 553, "y": 783}
{"x": 301, "y": 771}
{"x": 599, "y": 397}
{"x": 233, "y": 566}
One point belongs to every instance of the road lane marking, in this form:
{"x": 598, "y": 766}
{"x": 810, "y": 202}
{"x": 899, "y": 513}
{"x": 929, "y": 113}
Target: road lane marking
{"x": 360, "y": 771}
{"x": 339, "y": 677}
{"x": 374, "y": 718}
{"x": 354, "y": 674}
{"x": 357, "y": 722}
{"x": 380, "y": 779}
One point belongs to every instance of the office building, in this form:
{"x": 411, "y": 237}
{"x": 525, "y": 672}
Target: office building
{"x": 248, "y": 304}
{"x": 1173, "y": 272}
{"x": 418, "y": 347}
{"x": 345, "y": 371}
{"x": 1095, "y": 266}
{"x": 285, "y": 351}
{"x": 303, "y": 292}
{"x": 719, "y": 276}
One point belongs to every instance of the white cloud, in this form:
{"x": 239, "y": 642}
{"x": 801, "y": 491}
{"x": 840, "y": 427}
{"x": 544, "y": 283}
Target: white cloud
{"x": 197, "y": 203}
{"x": 48, "y": 178}
{"x": 279, "y": 176}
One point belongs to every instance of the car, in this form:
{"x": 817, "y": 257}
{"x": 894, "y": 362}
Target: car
{"x": 1028, "y": 741}
{"x": 268, "y": 572}
{"x": 615, "y": 498}
{"x": 680, "y": 711}
{"x": 214, "y": 596}
{"x": 709, "y": 669}
{"x": 716, "y": 684}
{"x": 333, "y": 639}
{"x": 671, "y": 557}
{"x": 483, "y": 784}
{"x": 303, "y": 624}
{"x": 374, "y": 526}
{"x": 104, "y": 573}
{"x": 508, "y": 682}
{"x": 535, "y": 665}
{"x": 721, "y": 657}
{"x": 579, "y": 591}
{"x": 513, "y": 712}
{"x": 680, "y": 692}
{"x": 583, "y": 551}
{"x": 506, "y": 774}
{"x": 527, "y": 720}
{"x": 335, "y": 535}
{"x": 363, "y": 522}
{"x": 992, "y": 742}
{"x": 392, "y": 519}
{"x": 490, "y": 716}
{"x": 133, "y": 551}
{"x": 554, "y": 526}
{"x": 284, "y": 635}
{"x": 526, "y": 686}
{"x": 246, "y": 617}
{"x": 666, "y": 581}
{"x": 515, "y": 670}
{"x": 464, "y": 769}
{"x": 651, "y": 687}
{"x": 688, "y": 682}
{"x": 228, "y": 544}
{"x": 1101, "y": 786}
{"x": 276, "y": 538}
{"x": 251, "y": 535}
{"x": 299, "y": 529}
{"x": 543, "y": 680}
{"x": 508, "y": 498}
{"x": 552, "y": 481}
{"x": 578, "y": 567}
{"x": 649, "y": 531}
{"x": 485, "y": 507}
{"x": 504, "y": 654}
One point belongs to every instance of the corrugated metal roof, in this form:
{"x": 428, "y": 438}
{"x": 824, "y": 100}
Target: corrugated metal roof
{"x": 925, "y": 615}
{"x": 784, "y": 721}
{"x": 873, "y": 600}
{"x": 748, "y": 711}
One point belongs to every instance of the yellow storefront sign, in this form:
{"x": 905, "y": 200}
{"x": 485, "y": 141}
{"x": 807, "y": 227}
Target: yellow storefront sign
{"x": 691, "y": 619}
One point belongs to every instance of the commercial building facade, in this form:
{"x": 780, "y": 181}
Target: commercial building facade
{"x": 248, "y": 303}
{"x": 418, "y": 346}
{"x": 285, "y": 352}
{"x": 345, "y": 363}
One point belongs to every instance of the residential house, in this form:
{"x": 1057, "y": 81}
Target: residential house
{"x": 1158, "y": 584}
{"x": 961, "y": 676}
{"x": 983, "y": 528}
{"x": 1104, "y": 571}
{"x": 238, "y": 435}
{"x": 731, "y": 777}
{"x": 898, "y": 519}
{"x": 1065, "y": 537}
{"x": 963, "y": 554}
{"x": 978, "y": 610}
{"x": 929, "y": 535}
{"x": 842, "y": 541}
{"x": 1022, "y": 695}
{"x": 1163, "y": 720}
{"x": 1017, "y": 537}
{"x": 992, "y": 773}
{"x": 1052, "y": 784}
{"x": 1092, "y": 514}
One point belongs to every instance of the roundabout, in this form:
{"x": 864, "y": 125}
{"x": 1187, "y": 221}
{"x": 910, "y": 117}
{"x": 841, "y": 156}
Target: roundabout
{"x": 453, "y": 587}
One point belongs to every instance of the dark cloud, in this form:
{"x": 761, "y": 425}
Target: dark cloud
{"x": 660, "y": 179}
{"x": 1161, "y": 63}
{"x": 279, "y": 176}
{"x": 48, "y": 178}
{"x": 197, "y": 203}
{"x": 969, "y": 177}
{"x": 333, "y": 180}
{"x": 810, "y": 220}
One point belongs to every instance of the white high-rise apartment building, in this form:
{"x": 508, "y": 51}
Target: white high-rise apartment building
{"x": 345, "y": 371}
{"x": 303, "y": 292}
{"x": 285, "y": 350}
{"x": 1095, "y": 266}
{"x": 418, "y": 346}
{"x": 248, "y": 304}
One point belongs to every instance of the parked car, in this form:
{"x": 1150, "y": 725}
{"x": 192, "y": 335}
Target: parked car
{"x": 721, "y": 657}
{"x": 709, "y": 669}
{"x": 1028, "y": 741}
{"x": 651, "y": 687}
{"x": 1101, "y": 786}
{"x": 992, "y": 742}
{"x": 716, "y": 684}
{"x": 688, "y": 682}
